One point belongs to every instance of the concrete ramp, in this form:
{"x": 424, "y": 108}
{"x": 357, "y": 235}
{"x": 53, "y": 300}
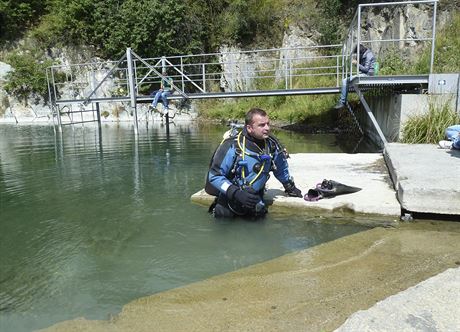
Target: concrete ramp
{"x": 432, "y": 305}
{"x": 426, "y": 178}
{"x": 367, "y": 171}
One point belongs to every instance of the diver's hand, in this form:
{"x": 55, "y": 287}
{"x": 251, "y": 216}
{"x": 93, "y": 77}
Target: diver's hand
{"x": 291, "y": 189}
{"x": 246, "y": 197}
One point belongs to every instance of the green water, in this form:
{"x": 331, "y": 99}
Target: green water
{"x": 91, "y": 221}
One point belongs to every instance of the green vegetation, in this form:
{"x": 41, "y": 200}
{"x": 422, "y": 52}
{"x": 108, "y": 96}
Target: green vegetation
{"x": 16, "y": 16}
{"x": 430, "y": 127}
{"x": 28, "y": 76}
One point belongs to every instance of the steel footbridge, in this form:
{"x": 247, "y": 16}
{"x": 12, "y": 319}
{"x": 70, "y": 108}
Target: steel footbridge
{"x": 78, "y": 89}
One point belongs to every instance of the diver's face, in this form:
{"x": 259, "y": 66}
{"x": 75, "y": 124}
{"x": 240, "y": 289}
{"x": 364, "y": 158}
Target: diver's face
{"x": 260, "y": 127}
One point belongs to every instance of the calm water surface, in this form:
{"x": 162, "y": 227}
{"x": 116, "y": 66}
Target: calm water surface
{"x": 91, "y": 221}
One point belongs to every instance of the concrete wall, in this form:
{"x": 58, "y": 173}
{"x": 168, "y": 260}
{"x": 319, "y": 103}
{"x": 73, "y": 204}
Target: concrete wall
{"x": 393, "y": 110}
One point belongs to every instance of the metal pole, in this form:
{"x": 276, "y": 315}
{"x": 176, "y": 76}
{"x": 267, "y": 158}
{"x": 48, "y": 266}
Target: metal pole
{"x": 163, "y": 64}
{"x": 136, "y": 86}
{"x": 285, "y": 72}
{"x": 58, "y": 113}
{"x": 182, "y": 71}
{"x": 433, "y": 35}
{"x": 370, "y": 114}
{"x": 204, "y": 76}
{"x": 358, "y": 40}
{"x": 396, "y": 3}
{"x": 132, "y": 90}
{"x": 98, "y": 113}
{"x": 337, "y": 69}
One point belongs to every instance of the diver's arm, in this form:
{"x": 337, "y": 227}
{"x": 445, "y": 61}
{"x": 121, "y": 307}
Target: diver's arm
{"x": 282, "y": 169}
{"x": 221, "y": 166}
{"x": 282, "y": 174}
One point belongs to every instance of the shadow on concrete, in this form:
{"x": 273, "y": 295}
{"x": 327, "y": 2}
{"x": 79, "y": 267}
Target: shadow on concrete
{"x": 454, "y": 153}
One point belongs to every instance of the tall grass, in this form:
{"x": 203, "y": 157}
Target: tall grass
{"x": 430, "y": 127}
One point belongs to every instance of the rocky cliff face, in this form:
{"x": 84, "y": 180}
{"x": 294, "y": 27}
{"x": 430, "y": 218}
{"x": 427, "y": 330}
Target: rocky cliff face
{"x": 411, "y": 24}
{"x": 240, "y": 68}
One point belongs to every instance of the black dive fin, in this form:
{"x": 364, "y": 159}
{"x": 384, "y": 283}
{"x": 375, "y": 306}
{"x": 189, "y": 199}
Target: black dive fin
{"x": 312, "y": 195}
{"x": 329, "y": 188}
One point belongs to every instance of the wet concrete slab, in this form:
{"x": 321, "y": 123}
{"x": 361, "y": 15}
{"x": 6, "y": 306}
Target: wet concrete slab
{"x": 365, "y": 170}
{"x": 426, "y": 178}
{"x": 315, "y": 289}
{"x": 432, "y": 305}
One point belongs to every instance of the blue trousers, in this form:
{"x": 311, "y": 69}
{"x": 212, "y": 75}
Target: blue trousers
{"x": 162, "y": 96}
{"x": 453, "y": 134}
{"x": 345, "y": 83}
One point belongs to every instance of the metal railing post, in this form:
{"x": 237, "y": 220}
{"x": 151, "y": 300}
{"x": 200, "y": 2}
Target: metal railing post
{"x": 358, "y": 40}
{"x": 285, "y": 73}
{"x": 433, "y": 38}
{"x": 337, "y": 69}
{"x": 132, "y": 89}
{"x": 163, "y": 64}
{"x": 203, "y": 68}
{"x": 58, "y": 113}
{"x": 98, "y": 114}
{"x": 182, "y": 75}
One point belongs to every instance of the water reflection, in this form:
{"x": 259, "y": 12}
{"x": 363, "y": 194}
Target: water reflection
{"x": 92, "y": 219}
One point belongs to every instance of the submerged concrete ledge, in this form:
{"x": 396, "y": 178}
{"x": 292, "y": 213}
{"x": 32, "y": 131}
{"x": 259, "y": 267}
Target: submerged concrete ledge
{"x": 365, "y": 170}
{"x": 315, "y": 289}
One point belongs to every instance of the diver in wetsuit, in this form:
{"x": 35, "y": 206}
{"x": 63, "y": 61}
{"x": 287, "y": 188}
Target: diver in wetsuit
{"x": 240, "y": 169}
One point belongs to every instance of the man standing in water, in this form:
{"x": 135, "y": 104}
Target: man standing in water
{"x": 240, "y": 169}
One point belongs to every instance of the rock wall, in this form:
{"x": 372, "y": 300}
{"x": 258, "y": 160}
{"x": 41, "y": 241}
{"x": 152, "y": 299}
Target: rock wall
{"x": 411, "y": 23}
{"x": 242, "y": 70}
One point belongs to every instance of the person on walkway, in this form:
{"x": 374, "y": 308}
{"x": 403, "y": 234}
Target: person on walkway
{"x": 240, "y": 168}
{"x": 366, "y": 68}
{"x": 162, "y": 94}
{"x": 453, "y": 138}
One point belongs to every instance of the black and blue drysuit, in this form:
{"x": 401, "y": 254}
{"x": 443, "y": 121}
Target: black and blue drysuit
{"x": 239, "y": 171}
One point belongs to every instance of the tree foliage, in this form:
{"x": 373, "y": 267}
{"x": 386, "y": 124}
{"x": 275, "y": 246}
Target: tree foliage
{"x": 16, "y": 16}
{"x": 28, "y": 76}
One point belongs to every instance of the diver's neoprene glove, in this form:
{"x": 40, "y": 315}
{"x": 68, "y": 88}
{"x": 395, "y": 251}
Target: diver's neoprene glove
{"x": 291, "y": 189}
{"x": 247, "y": 198}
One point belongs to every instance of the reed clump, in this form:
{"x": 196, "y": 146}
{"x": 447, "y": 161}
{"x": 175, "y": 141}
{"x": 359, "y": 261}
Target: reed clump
{"x": 430, "y": 127}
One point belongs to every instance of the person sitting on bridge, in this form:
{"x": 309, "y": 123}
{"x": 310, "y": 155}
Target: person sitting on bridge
{"x": 240, "y": 168}
{"x": 162, "y": 94}
{"x": 453, "y": 138}
{"x": 366, "y": 68}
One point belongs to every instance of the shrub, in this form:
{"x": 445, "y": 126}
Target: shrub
{"x": 28, "y": 75}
